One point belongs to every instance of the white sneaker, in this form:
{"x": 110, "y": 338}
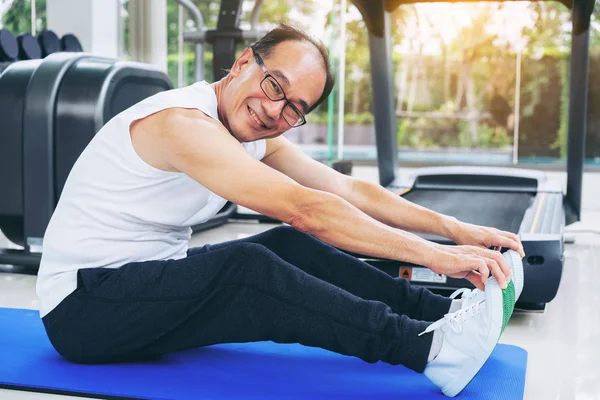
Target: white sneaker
{"x": 470, "y": 336}
{"x": 516, "y": 265}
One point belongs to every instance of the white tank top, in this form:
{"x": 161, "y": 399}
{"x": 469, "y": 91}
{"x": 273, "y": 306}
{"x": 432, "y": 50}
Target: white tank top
{"x": 116, "y": 209}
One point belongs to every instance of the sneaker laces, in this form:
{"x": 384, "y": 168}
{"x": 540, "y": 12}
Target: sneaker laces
{"x": 467, "y": 295}
{"x": 456, "y": 319}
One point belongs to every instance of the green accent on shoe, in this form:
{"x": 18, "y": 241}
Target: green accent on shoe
{"x": 508, "y": 303}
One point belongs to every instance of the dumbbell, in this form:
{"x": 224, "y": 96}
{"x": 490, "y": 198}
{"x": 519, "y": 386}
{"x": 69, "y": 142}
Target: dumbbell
{"x": 69, "y": 42}
{"x": 49, "y": 42}
{"x": 29, "y": 48}
{"x": 9, "y": 49}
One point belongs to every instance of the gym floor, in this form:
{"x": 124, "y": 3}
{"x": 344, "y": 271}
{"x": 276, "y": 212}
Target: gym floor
{"x": 562, "y": 342}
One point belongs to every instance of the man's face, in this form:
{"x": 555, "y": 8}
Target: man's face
{"x": 247, "y": 111}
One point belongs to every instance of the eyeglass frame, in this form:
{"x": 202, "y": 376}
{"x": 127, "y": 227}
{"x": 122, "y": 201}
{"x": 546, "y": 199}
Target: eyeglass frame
{"x": 261, "y": 63}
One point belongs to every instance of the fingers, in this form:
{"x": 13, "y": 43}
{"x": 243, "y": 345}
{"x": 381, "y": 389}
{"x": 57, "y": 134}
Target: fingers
{"x": 483, "y": 269}
{"x": 475, "y": 264}
{"x": 492, "y": 262}
{"x": 510, "y": 241}
{"x": 504, "y": 265}
{"x": 475, "y": 279}
{"x": 499, "y": 268}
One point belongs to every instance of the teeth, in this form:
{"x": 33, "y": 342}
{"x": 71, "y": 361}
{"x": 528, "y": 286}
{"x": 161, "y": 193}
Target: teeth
{"x": 253, "y": 114}
{"x": 255, "y": 117}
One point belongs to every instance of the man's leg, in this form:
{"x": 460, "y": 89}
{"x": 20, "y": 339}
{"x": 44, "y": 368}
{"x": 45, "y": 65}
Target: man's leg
{"x": 347, "y": 272}
{"x": 240, "y": 293}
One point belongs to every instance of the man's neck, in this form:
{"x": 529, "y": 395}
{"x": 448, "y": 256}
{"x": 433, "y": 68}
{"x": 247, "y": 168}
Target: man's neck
{"x": 219, "y": 88}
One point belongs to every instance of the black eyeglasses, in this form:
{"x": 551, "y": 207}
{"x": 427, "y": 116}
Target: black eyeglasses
{"x": 274, "y": 92}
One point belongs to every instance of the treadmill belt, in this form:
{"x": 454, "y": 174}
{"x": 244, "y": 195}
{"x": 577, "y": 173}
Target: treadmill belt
{"x": 500, "y": 210}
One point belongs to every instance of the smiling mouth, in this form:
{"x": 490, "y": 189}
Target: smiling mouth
{"x": 255, "y": 117}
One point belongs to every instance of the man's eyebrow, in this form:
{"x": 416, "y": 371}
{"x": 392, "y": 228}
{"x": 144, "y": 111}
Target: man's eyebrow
{"x": 281, "y": 76}
{"x": 284, "y": 78}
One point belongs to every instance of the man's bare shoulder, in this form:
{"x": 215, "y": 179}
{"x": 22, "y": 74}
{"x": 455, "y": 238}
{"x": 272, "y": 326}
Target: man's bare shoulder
{"x": 149, "y": 134}
{"x": 178, "y": 115}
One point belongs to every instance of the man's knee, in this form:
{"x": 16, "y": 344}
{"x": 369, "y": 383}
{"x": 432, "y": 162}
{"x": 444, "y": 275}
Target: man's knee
{"x": 254, "y": 265}
{"x": 289, "y": 234}
{"x": 282, "y": 232}
{"x": 251, "y": 255}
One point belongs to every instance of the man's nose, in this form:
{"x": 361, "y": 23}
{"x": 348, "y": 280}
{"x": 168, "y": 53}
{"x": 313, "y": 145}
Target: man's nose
{"x": 273, "y": 108}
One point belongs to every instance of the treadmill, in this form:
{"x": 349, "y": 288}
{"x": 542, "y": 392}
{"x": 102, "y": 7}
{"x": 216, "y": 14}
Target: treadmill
{"x": 521, "y": 201}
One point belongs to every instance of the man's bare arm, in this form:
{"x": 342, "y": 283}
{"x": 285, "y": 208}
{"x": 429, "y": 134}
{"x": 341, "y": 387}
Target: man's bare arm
{"x": 204, "y": 150}
{"x": 399, "y": 215}
{"x": 375, "y": 201}
{"x": 394, "y": 210}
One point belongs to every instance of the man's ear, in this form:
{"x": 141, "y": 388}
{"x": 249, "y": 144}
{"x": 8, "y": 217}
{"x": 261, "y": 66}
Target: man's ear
{"x": 243, "y": 61}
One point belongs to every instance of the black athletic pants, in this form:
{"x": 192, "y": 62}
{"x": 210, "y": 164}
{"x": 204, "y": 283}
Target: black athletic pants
{"x": 281, "y": 285}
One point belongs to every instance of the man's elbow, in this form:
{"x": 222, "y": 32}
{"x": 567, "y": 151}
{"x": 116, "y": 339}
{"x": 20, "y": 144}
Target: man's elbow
{"x": 309, "y": 210}
{"x": 305, "y": 222}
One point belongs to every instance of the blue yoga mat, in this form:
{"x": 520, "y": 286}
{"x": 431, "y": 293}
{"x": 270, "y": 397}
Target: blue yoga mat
{"x": 263, "y": 370}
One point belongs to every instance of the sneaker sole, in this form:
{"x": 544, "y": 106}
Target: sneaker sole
{"x": 516, "y": 265}
{"x": 495, "y": 330}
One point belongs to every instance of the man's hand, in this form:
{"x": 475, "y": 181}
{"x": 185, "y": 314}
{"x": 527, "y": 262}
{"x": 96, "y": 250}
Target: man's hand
{"x": 481, "y": 236}
{"x": 470, "y": 262}
{"x": 472, "y": 258}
